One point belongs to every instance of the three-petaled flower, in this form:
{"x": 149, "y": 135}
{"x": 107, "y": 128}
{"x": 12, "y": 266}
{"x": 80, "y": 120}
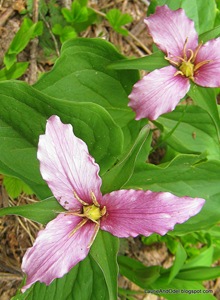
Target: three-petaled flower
{"x": 160, "y": 91}
{"x": 72, "y": 175}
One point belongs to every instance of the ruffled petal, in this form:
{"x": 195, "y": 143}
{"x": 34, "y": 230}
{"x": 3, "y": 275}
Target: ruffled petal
{"x": 170, "y": 29}
{"x": 66, "y": 165}
{"x": 56, "y": 251}
{"x": 209, "y": 74}
{"x": 157, "y": 93}
{"x": 132, "y": 212}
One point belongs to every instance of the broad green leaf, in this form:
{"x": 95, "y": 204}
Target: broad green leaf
{"x": 81, "y": 75}
{"x": 201, "y": 12}
{"x": 27, "y": 31}
{"x": 104, "y": 252}
{"x": 149, "y": 63}
{"x": 117, "y": 19}
{"x": 41, "y": 212}
{"x": 84, "y": 282}
{"x": 137, "y": 272}
{"x": 116, "y": 177}
{"x": 180, "y": 289}
{"x": 209, "y": 35}
{"x": 190, "y": 129}
{"x": 206, "y": 99}
{"x": 15, "y": 71}
{"x": 23, "y": 115}
{"x": 15, "y": 186}
{"x": 185, "y": 175}
{"x": 180, "y": 258}
{"x": 199, "y": 273}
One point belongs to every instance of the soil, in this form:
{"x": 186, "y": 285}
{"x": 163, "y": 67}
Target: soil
{"x": 16, "y": 233}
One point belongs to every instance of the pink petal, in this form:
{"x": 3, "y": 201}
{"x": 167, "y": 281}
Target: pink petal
{"x": 66, "y": 165}
{"x": 209, "y": 74}
{"x": 170, "y": 29}
{"x": 55, "y": 252}
{"x": 157, "y": 93}
{"x": 132, "y": 212}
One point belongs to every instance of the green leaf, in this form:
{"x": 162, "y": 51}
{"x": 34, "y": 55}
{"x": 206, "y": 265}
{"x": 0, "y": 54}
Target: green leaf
{"x": 201, "y": 12}
{"x": 149, "y": 63}
{"x": 23, "y": 115}
{"x": 199, "y": 273}
{"x": 76, "y": 14}
{"x": 91, "y": 19}
{"x": 57, "y": 29}
{"x": 185, "y": 175}
{"x": 81, "y": 75}
{"x": 65, "y": 33}
{"x": 104, "y": 252}
{"x": 117, "y": 19}
{"x": 178, "y": 263}
{"x": 84, "y": 282}
{"x": 205, "y": 258}
{"x": 116, "y": 177}
{"x": 15, "y": 71}
{"x": 27, "y": 31}
{"x": 15, "y": 186}
{"x": 209, "y": 35}
{"x": 41, "y": 212}
{"x": 137, "y": 272}
{"x": 189, "y": 129}
{"x": 206, "y": 99}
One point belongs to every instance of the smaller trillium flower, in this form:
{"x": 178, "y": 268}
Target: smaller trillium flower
{"x": 160, "y": 91}
{"x": 72, "y": 175}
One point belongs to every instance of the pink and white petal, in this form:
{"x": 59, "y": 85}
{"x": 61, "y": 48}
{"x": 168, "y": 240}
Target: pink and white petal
{"x": 55, "y": 251}
{"x": 134, "y": 212}
{"x": 170, "y": 29}
{"x": 66, "y": 165}
{"x": 209, "y": 74}
{"x": 157, "y": 93}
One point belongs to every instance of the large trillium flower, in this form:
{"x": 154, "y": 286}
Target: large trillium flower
{"x": 160, "y": 91}
{"x": 72, "y": 175}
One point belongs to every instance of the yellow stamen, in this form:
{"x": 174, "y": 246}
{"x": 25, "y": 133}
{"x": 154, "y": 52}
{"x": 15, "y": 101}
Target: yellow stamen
{"x": 184, "y": 49}
{"x": 202, "y": 63}
{"x": 94, "y": 234}
{"x": 80, "y": 200}
{"x": 83, "y": 222}
{"x": 93, "y": 197}
{"x": 197, "y": 50}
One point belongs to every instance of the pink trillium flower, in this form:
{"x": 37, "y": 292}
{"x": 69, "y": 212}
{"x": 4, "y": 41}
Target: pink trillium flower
{"x": 160, "y": 91}
{"x": 72, "y": 175}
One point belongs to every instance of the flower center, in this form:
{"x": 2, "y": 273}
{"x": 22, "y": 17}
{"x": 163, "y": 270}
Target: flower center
{"x": 186, "y": 66}
{"x": 92, "y": 212}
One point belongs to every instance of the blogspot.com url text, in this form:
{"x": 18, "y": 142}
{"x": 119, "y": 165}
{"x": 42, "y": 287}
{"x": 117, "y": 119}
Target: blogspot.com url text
{"x": 177, "y": 291}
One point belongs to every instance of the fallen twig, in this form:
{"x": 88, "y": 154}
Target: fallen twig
{"x": 33, "y": 52}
